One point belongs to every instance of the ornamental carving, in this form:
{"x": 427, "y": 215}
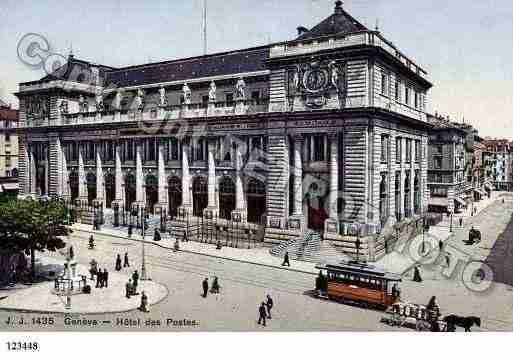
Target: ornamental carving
{"x": 317, "y": 81}
{"x": 38, "y": 107}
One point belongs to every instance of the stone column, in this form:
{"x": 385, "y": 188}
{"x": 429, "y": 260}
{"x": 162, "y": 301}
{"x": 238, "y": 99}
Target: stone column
{"x": 162, "y": 205}
{"x": 186, "y": 207}
{"x": 240, "y": 213}
{"x": 331, "y": 224}
{"x": 118, "y": 205}
{"x": 212, "y": 208}
{"x": 66, "y": 190}
{"x": 296, "y": 221}
{"x": 82, "y": 184}
{"x": 99, "y": 201}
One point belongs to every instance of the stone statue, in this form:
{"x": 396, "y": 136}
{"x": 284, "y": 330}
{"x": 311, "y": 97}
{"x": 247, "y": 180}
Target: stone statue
{"x": 296, "y": 78}
{"x": 187, "y": 95}
{"x": 163, "y": 98}
{"x": 99, "y": 100}
{"x": 240, "y": 89}
{"x": 212, "y": 92}
{"x": 139, "y": 99}
{"x": 335, "y": 76}
{"x": 81, "y": 104}
{"x": 117, "y": 100}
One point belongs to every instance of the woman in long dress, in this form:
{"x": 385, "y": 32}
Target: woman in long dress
{"x": 118, "y": 263}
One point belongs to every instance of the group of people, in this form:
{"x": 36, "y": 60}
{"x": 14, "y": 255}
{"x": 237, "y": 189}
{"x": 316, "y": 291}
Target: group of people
{"x": 214, "y": 289}
{"x": 102, "y": 277}
{"x": 126, "y": 263}
{"x": 264, "y": 311}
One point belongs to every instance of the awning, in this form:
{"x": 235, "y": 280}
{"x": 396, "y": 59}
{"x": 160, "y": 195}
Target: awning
{"x": 460, "y": 201}
{"x": 9, "y": 186}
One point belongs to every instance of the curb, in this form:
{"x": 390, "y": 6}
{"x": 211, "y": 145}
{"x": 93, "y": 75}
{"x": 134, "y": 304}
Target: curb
{"x": 16, "y": 310}
{"x": 196, "y": 253}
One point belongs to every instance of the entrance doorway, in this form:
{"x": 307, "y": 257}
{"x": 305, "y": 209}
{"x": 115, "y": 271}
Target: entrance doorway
{"x": 199, "y": 195}
{"x": 256, "y": 200}
{"x": 91, "y": 188}
{"x": 226, "y": 198}
{"x": 73, "y": 186}
{"x": 110, "y": 189}
{"x": 130, "y": 195}
{"x": 152, "y": 192}
{"x": 174, "y": 188}
{"x": 316, "y": 208}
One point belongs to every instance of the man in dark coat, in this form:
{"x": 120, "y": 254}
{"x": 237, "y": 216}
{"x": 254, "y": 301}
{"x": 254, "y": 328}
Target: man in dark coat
{"x": 416, "y": 275}
{"x": 286, "y": 261}
{"x": 118, "y": 263}
{"x": 106, "y": 277}
{"x": 156, "y": 235}
{"x": 205, "y": 287}
{"x": 262, "y": 314}
{"x": 130, "y": 230}
{"x": 269, "y": 304}
{"x": 128, "y": 290}
{"x": 125, "y": 263}
{"x": 99, "y": 277}
{"x": 135, "y": 278}
{"x": 461, "y": 221}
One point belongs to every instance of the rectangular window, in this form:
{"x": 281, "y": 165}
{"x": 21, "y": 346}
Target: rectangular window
{"x": 417, "y": 151}
{"x": 318, "y": 148}
{"x": 398, "y": 149}
{"x": 398, "y": 90}
{"x": 8, "y": 158}
{"x": 384, "y": 84}
{"x": 229, "y": 98}
{"x": 175, "y": 155}
{"x": 384, "y": 148}
{"x": 438, "y": 163}
{"x": 407, "y": 95}
{"x": 255, "y": 95}
{"x": 130, "y": 150}
{"x": 204, "y": 100}
{"x": 199, "y": 150}
{"x": 416, "y": 100}
{"x": 7, "y": 137}
{"x": 408, "y": 150}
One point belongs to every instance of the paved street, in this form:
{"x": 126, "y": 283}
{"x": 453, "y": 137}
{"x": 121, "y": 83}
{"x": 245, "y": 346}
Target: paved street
{"x": 244, "y": 286}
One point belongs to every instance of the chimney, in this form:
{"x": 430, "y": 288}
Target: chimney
{"x": 338, "y": 7}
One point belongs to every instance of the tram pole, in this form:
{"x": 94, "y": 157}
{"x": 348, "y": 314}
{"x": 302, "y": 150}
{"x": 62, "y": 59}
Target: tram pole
{"x": 143, "y": 265}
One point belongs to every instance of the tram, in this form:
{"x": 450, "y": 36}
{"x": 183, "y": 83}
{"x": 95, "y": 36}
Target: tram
{"x": 358, "y": 282}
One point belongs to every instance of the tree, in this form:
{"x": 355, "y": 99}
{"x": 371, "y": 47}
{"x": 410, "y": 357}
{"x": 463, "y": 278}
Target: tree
{"x": 30, "y": 226}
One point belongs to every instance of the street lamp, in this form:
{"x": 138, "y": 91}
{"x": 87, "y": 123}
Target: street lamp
{"x": 143, "y": 266}
{"x": 450, "y": 227}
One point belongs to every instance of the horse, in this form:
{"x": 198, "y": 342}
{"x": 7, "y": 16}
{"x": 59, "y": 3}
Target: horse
{"x": 464, "y": 322}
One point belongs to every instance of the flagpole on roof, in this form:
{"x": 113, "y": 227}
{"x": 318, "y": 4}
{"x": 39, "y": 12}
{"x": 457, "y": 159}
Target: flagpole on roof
{"x": 204, "y": 27}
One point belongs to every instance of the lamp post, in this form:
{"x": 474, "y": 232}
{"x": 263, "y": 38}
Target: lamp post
{"x": 450, "y": 227}
{"x": 358, "y": 243}
{"x": 143, "y": 265}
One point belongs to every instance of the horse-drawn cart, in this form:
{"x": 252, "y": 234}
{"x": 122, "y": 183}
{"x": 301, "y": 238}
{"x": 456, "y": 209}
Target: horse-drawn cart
{"x": 415, "y": 316}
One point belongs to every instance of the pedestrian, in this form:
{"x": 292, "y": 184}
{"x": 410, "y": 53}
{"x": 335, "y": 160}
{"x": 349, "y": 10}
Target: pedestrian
{"x": 125, "y": 263}
{"x": 416, "y": 275}
{"x": 98, "y": 278}
{"x": 269, "y": 304}
{"x": 130, "y": 230}
{"x": 71, "y": 253}
{"x": 128, "y": 288}
{"x": 215, "y": 286}
{"x": 205, "y": 287}
{"x": 185, "y": 236}
{"x": 262, "y": 314}
{"x": 94, "y": 269}
{"x": 286, "y": 261}
{"x": 448, "y": 259}
{"x": 156, "y": 235}
{"x": 144, "y": 303}
{"x": 461, "y": 221}
{"x": 135, "y": 278}
{"x": 102, "y": 278}
{"x": 106, "y": 277}
{"x": 118, "y": 263}
{"x": 440, "y": 245}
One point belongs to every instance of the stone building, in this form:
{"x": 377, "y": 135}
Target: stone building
{"x": 449, "y": 166}
{"x": 8, "y": 149}
{"x": 498, "y": 157}
{"x": 325, "y": 132}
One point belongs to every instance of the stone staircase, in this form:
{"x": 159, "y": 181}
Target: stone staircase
{"x": 310, "y": 248}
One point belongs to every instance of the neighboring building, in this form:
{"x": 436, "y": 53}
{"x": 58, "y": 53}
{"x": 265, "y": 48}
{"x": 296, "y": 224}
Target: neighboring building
{"x": 270, "y": 135}
{"x": 479, "y": 169}
{"x": 8, "y": 149}
{"x": 498, "y": 157}
{"x": 448, "y": 166}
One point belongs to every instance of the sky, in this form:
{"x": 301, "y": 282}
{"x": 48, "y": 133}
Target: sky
{"x": 466, "y": 46}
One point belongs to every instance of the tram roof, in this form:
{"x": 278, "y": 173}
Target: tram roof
{"x": 360, "y": 268}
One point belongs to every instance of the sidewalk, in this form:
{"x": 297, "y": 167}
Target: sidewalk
{"x": 256, "y": 256}
{"x": 40, "y": 298}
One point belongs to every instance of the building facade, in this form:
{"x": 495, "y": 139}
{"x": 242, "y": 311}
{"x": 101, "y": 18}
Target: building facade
{"x": 325, "y": 132}
{"x": 498, "y": 157}
{"x": 8, "y": 149}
